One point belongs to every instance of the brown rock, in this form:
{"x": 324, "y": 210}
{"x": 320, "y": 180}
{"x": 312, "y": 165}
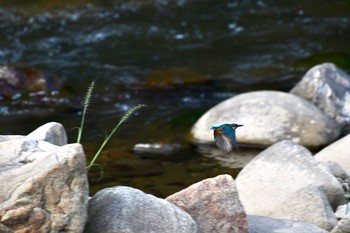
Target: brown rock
{"x": 19, "y": 78}
{"x": 214, "y": 204}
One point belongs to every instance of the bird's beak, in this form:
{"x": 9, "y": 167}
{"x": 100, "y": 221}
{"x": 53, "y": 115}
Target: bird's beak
{"x": 238, "y": 126}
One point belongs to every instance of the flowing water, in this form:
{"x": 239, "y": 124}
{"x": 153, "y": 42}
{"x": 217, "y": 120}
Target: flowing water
{"x": 178, "y": 57}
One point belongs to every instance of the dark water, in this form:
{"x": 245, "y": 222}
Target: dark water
{"x": 177, "y": 57}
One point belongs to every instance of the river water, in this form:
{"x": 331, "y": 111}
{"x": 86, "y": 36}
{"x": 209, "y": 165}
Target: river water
{"x": 178, "y": 57}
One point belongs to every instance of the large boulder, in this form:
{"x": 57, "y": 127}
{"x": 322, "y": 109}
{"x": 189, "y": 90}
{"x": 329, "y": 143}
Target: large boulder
{"x": 337, "y": 152}
{"x": 269, "y": 117}
{"x": 285, "y": 181}
{"x": 328, "y": 87}
{"x": 44, "y": 187}
{"x": 214, "y": 204}
{"x": 125, "y": 209}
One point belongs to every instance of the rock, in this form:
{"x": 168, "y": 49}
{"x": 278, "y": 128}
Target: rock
{"x": 328, "y": 87}
{"x": 343, "y": 225}
{"x": 337, "y": 171}
{"x": 44, "y": 187}
{"x": 4, "y": 138}
{"x": 342, "y": 211}
{"x": 18, "y": 78}
{"x": 158, "y": 148}
{"x": 269, "y": 117}
{"x": 260, "y": 224}
{"x": 214, "y": 204}
{"x": 285, "y": 181}
{"x": 52, "y": 132}
{"x": 125, "y": 209}
{"x": 337, "y": 152}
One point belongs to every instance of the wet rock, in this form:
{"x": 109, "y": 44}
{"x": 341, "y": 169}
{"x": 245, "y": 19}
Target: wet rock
{"x": 125, "y": 209}
{"x": 44, "y": 187}
{"x": 328, "y": 87}
{"x": 285, "y": 181}
{"x": 157, "y": 148}
{"x": 343, "y": 225}
{"x": 269, "y": 117}
{"x": 19, "y": 78}
{"x": 260, "y": 224}
{"x": 214, "y": 204}
{"x": 337, "y": 152}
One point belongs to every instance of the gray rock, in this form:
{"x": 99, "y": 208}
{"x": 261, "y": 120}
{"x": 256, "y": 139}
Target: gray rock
{"x": 328, "y": 87}
{"x": 337, "y": 152}
{"x": 44, "y": 187}
{"x": 214, "y": 204}
{"x": 260, "y": 224}
{"x": 52, "y": 132}
{"x": 338, "y": 171}
{"x": 342, "y": 211}
{"x": 128, "y": 210}
{"x": 269, "y": 117}
{"x": 285, "y": 181}
{"x": 343, "y": 225}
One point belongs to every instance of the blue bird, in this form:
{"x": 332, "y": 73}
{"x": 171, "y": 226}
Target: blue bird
{"x": 225, "y": 136}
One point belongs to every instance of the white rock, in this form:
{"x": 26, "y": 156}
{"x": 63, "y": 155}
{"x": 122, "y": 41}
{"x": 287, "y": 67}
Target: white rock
{"x": 337, "y": 152}
{"x": 269, "y": 117}
{"x": 285, "y": 181}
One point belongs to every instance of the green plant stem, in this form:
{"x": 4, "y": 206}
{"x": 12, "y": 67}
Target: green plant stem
{"x": 86, "y": 105}
{"x": 122, "y": 120}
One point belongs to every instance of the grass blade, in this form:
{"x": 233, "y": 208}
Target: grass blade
{"x": 122, "y": 120}
{"x": 86, "y": 105}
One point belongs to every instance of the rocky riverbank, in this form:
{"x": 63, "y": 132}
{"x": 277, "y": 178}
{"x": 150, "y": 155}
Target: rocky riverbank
{"x": 283, "y": 189}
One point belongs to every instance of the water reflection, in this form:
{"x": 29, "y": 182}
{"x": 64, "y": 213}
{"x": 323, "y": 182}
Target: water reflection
{"x": 235, "y": 160}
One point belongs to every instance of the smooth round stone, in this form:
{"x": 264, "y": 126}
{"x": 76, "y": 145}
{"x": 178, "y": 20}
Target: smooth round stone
{"x": 269, "y": 117}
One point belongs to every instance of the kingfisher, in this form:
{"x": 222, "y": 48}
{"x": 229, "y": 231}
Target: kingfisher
{"x": 225, "y": 136}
